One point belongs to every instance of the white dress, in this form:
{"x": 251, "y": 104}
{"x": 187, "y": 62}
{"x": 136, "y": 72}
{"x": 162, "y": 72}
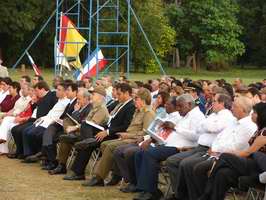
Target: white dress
{"x": 7, "y": 124}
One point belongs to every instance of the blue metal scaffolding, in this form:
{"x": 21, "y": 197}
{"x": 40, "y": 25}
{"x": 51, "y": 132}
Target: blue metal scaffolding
{"x": 91, "y": 18}
{"x": 74, "y": 12}
{"x": 98, "y": 14}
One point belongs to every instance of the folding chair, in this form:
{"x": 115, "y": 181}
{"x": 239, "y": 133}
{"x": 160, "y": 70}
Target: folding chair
{"x": 70, "y": 159}
{"x": 234, "y": 193}
{"x": 255, "y": 194}
{"x": 164, "y": 179}
{"x": 255, "y": 191}
{"x": 93, "y": 160}
{"x": 11, "y": 144}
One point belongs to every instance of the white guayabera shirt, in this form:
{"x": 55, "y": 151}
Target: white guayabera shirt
{"x": 235, "y": 137}
{"x": 185, "y": 134}
{"x": 53, "y": 114}
{"x": 213, "y": 125}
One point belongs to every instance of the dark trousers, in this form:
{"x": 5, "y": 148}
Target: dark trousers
{"x": 51, "y": 134}
{"x": 83, "y": 156}
{"x": 32, "y": 139}
{"x": 188, "y": 185}
{"x": 16, "y": 132}
{"x": 226, "y": 172}
{"x": 125, "y": 161}
{"x": 172, "y": 165}
{"x": 147, "y": 165}
{"x": 49, "y": 140}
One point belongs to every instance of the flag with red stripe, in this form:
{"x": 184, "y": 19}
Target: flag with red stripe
{"x": 95, "y": 62}
{"x": 70, "y": 40}
{"x": 34, "y": 66}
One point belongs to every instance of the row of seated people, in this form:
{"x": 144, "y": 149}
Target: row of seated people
{"x": 206, "y": 148}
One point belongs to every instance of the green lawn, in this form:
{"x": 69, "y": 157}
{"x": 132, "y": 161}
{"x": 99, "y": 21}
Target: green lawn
{"x": 248, "y": 75}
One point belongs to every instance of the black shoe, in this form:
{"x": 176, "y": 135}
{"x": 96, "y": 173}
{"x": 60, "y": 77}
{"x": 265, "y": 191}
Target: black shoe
{"x": 114, "y": 181}
{"x": 12, "y": 155}
{"x": 130, "y": 188}
{"x": 34, "y": 158}
{"x": 93, "y": 182}
{"x": 69, "y": 138}
{"x": 50, "y": 166}
{"x": 74, "y": 177}
{"x": 143, "y": 196}
{"x": 84, "y": 144}
{"x": 60, "y": 169}
{"x": 31, "y": 159}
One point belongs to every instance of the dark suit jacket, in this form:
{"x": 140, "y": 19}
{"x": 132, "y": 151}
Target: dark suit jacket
{"x": 55, "y": 130}
{"x": 69, "y": 109}
{"x": 45, "y": 104}
{"x": 81, "y": 115}
{"x": 111, "y": 105}
{"x": 122, "y": 119}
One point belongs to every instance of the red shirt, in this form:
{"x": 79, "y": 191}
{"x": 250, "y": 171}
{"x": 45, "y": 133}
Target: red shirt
{"x": 8, "y": 103}
{"x": 26, "y": 114}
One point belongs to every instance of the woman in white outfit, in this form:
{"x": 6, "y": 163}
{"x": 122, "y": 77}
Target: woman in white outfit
{"x": 8, "y": 120}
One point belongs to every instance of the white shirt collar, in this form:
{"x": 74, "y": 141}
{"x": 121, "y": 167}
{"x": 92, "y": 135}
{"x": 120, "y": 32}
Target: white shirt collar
{"x": 72, "y": 100}
{"x": 192, "y": 112}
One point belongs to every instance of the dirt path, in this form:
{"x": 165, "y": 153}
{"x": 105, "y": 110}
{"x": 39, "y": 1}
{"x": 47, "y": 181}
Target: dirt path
{"x": 19, "y": 181}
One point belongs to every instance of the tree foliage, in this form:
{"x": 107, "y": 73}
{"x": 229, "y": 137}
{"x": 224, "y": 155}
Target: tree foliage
{"x": 208, "y": 28}
{"x": 161, "y": 35}
{"x": 19, "y": 22}
{"x": 213, "y": 31}
{"x": 252, "y": 17}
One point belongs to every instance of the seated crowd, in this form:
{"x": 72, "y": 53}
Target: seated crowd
{"x": 213, "y": 132}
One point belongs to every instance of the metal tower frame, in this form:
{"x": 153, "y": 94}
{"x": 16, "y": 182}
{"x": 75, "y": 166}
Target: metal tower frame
{"x": 94, "y": 31}
{"x": 120, "y": 49}
{"x": 74, "y": 13}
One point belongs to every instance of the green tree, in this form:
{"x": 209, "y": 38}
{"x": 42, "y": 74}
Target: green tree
{"x": 252, "y": 17}
{"x": 161, "y": 35}
{"x": 19, "y": 22}
{"x": 207, "y": 30}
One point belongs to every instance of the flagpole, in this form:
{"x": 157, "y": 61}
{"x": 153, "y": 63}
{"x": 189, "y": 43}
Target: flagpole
{"x": 97, "y": 40}
{"x": 60, "y": 31}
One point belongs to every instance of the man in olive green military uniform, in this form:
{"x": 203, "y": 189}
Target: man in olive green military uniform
{"x": 98, "y": 115}
{"x": 141, "y": 120}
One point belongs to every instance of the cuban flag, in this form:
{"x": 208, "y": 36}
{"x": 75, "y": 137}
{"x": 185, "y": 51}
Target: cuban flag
{"x": 96, "y": 59}
{"x": 34, "y": 66}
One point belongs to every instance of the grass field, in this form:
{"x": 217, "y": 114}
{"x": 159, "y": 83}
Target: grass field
{"x": 248, "y": 75}
{"x": 20, "y": 181}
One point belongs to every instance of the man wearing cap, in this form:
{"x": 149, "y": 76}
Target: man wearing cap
{"x": 119, "y": 120}
{"x": 142, "y": 118}
{"x": 194, "y": 90}
{"x": 80, "y": 113}
{"x": 98, "y": 115}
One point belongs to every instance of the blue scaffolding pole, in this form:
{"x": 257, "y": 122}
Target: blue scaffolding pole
{"x": 115, "y": 52}
{"x": 93, "y": 32}
{"x": 120, "y": 47}
{"x": 73, "y": 12}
